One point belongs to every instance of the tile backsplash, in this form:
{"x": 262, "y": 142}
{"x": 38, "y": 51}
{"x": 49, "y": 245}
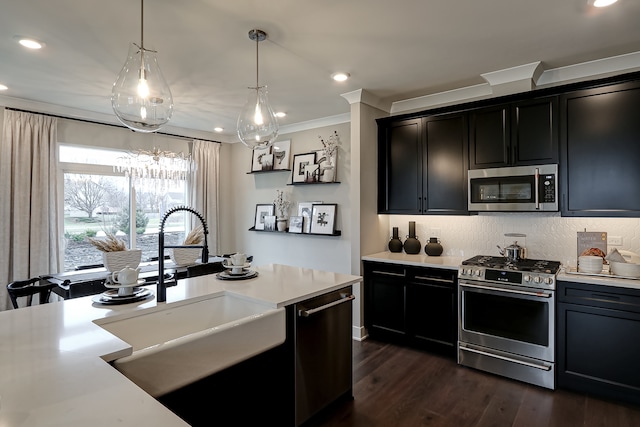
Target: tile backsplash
{"x": 548, "y": 235}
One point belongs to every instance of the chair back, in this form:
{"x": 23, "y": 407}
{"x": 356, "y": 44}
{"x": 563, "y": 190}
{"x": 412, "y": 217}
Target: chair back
{"x": 29, "y": 288}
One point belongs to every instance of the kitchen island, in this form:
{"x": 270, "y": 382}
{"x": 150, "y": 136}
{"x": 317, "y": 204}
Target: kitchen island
{"x": 54, "y": 360}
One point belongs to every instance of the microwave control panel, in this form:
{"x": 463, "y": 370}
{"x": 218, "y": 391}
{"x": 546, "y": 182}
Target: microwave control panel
{"x": 547, "y": 186}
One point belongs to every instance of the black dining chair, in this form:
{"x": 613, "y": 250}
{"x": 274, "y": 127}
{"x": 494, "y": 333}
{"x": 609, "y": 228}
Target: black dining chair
{"x": 29, "y": 288}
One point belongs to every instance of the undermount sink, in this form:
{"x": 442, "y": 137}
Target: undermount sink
{"x": 185, "y": 342}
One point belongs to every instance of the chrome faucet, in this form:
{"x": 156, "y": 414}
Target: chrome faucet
{"x": 162, "y": 287}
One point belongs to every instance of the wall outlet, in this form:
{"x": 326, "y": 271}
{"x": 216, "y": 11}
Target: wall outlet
{"x": 614, "y": 240}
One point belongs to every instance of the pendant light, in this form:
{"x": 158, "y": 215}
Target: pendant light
{"x": 140, "y": 97}
{"x": 257, "y": 123}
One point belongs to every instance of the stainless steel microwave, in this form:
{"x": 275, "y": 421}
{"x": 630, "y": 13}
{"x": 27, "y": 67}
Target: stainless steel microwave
{"x": 514, "y": 189}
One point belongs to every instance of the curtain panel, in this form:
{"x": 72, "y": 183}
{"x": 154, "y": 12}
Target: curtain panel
{"x": 29, "y": 226}
{"x": 205, "y": 187}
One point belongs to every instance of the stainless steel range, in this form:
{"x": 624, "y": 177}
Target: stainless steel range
{"x": 506, "y": 317}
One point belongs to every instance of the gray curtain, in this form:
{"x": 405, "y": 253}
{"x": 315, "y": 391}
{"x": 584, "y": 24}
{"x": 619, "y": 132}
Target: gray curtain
{"x": 29, "y": 228}
{"x": 205, "y": 187}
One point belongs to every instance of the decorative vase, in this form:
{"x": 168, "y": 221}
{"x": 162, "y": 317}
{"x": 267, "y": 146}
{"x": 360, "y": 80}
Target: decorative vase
{"x": 412, "y": 245}
{"x": 183, "y": 257}
{"x": 328, "y": 174}
{"x": 395, "y": 244}
{"x": 433, "y": 248}
{"x": 282, "y": 224}
{"x": 116, "y": 261}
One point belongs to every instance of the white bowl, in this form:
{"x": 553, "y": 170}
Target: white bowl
{"x": 625, "y": 269}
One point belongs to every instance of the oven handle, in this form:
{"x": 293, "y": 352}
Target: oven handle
{"x": 509, "y": 291}
{"x": 508, "y": 359}
{"x": 536, "y": 189}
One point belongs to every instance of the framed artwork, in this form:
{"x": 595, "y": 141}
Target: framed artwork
{"x": 323, "y": 162}
{"x": 257, "y": 156}
{"x": 281, "y": 153}
{"x": 323, "y": 218}
{"x": 261, "y": 212}
{"x": 300, "y": 164}
{"x": 267, "y": 162}
{"x": 295, "y": 224}
{"x": 304, "y": 210}
{"x": 312, "y": 173}
{"x": 270, "y": 223}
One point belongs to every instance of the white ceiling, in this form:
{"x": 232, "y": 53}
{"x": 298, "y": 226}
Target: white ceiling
{"x": 393, "y": 49}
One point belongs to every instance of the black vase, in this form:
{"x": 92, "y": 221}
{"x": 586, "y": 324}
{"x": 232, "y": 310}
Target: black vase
{"x": 412, "y": 245}
{"x": 395, "y": 244}
{"x": 433, "y": 248}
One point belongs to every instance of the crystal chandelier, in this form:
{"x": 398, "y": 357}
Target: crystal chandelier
{"x": 257, "y": 123}
{"x": 140, "y": 97}
{"x": 156, "y": 165}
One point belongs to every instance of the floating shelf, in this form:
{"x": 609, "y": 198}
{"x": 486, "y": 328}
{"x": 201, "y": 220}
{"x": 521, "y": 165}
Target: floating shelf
{"x": 335, "y": 233}
{"x": 313, "y": 183}
{"x": 269, "y": 171}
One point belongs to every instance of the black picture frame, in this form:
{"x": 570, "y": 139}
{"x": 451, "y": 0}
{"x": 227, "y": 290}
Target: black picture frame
{"x": 300, "y": 162}
{"x": 262, "y": 210}
{"x": 323, "y": 218}
{"x": 256, "y": 158}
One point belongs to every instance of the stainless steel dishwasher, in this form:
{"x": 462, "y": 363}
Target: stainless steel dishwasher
{"x": 323, "y": 345}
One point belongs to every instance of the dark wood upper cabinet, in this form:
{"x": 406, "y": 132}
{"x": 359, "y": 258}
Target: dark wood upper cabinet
{"x": 600, "y": 149}
{"x": 514, "y": 134}
{"x": 422, "y": 165}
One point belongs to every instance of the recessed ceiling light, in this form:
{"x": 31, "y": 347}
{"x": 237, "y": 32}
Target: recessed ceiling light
{"x": 340, "y": 76}
{"x": 603, "y": 3}
{"x": 28, "y": 42}
{"x": 3, "y": 87}
{"x": 281, "y": 114}
{"x": 218, "y": 129}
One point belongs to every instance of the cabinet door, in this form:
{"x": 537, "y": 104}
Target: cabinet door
{"x": 600, "y": 151}
{"x": 432, "y": 310}
{"x": 535, "y": 131}
{"x": 385, "y": 301}
{"x": 400, "y": 166}
{"x": 446, "y": 164}
{"x": 489, "y": 137}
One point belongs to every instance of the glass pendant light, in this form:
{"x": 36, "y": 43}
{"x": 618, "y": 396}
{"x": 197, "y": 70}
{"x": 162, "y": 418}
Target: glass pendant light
{"x": 257, "y": 123}
{"x": 140, "y": 97}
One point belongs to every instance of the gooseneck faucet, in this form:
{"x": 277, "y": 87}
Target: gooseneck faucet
{"x": 162, "y": 288}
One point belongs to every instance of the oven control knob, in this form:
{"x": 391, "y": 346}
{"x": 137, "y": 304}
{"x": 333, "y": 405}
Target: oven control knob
{"x": 478, "y": 273}
{"x": 537, "y": 279}
{"x": 527, "y": 278}
{"x": 548, "y": 280}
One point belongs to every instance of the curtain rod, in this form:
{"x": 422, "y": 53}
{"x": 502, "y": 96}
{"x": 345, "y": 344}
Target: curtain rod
{"x": 108, "y": 124}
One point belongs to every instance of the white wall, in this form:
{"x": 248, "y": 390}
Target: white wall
{"x": 247, "y": 190}
{"x": 549, "y": 236}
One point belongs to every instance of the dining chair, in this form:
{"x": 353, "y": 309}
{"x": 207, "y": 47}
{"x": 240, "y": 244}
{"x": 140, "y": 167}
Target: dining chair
{"x": 29, "y": 288}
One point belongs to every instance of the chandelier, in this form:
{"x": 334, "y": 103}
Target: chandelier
{"x": 155, "y": 165}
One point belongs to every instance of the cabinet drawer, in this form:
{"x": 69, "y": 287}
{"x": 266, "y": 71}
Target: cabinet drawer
{"x": 610, "y": 297}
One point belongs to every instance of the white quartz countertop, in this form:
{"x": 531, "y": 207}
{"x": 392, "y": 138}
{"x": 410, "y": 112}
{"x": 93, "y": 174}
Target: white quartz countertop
{"x": 54, "y": 366}
{"x": 419, "y": 260}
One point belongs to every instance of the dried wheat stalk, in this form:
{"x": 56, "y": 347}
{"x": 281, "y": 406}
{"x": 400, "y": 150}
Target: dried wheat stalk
{"x": 110, "y": 244}
{"x": 195, "y": 236}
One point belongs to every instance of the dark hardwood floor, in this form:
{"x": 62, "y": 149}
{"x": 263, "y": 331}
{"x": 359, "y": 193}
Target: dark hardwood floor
{"x": 398, "y": 386}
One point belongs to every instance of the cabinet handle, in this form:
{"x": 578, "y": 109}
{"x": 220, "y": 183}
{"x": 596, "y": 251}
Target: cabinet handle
{"x": 387, "y": 273}
{"x": 435, "y": 279}
{"x": 606, "y": 297}
{"x": 307, "y": 313}
{"x": 508, "y": 359}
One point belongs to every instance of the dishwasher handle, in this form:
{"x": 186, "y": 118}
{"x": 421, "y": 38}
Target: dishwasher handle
{"x": 345, "y": 298}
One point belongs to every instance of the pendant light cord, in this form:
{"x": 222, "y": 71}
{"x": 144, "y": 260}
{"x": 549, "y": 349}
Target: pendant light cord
{"x": 257, "y": 59}
{"x": 142, "y": 24}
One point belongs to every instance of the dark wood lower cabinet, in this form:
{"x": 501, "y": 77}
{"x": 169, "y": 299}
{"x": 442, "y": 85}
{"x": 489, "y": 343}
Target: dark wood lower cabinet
{"x": 413, "y": 306}
{"x": 598, "y": 340}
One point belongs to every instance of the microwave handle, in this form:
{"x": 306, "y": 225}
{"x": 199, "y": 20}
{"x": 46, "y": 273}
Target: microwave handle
{"x": 536, "y": 189}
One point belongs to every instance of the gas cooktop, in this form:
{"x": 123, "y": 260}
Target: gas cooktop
{"x": 524, "y": 265}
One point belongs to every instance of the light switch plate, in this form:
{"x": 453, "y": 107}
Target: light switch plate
{"x": 614, "y": 240}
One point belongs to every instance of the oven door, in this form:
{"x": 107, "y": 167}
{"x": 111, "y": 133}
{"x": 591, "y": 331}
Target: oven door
{"x": 511, "y": 319}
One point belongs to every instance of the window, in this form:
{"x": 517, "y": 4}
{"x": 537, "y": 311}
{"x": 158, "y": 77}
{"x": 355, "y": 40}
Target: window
{"x": 98, "y": 200}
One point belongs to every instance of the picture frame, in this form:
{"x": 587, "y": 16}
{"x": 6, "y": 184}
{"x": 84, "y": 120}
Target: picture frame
{"x": 304, "y": 210}
{"x": 312, "y": 173}
{"x": 256, "y": 158}
{"x": 281, "y": 151}
{"x": 323, "y": 163}
{"x": 270, "y": 223}
{"x": 300, "y": 163}
{"x": 262, "y": 210}
{"x": 295, "y": 224}
{"x": 323, "y": 218}
{"x": 267, "y": 162}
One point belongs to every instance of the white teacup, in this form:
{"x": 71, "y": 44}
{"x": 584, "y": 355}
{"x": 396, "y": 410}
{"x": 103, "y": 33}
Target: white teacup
{"x": 238, "y": 259}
